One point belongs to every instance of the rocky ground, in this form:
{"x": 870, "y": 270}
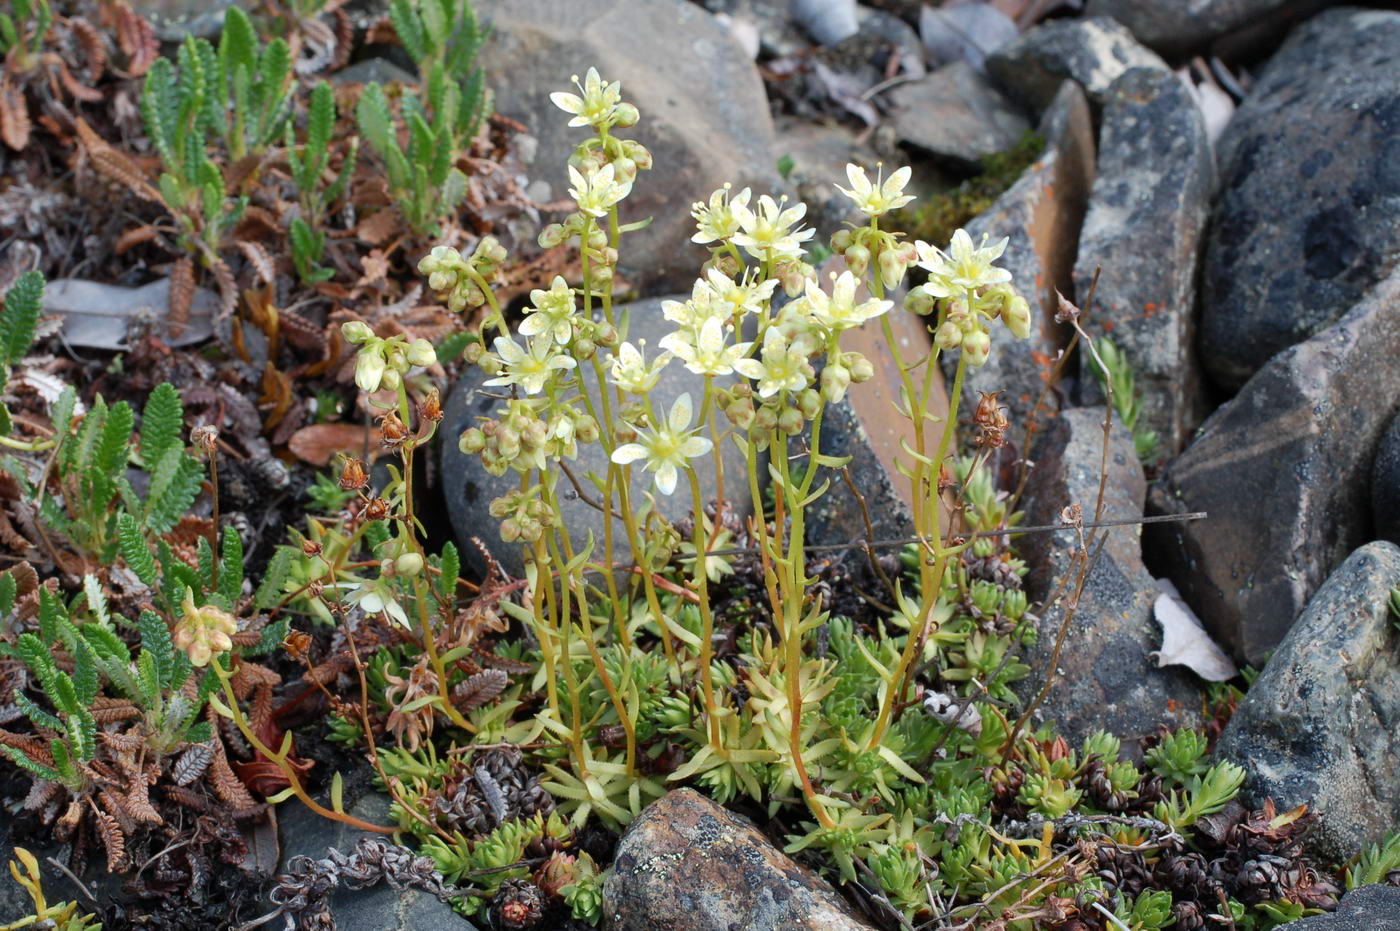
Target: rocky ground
{"x": 1228, "y": 171}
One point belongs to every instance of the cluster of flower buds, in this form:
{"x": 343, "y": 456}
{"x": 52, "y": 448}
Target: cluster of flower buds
{"x": 382, "y": 362}
{"x": 529, "y": 433}
{"x": 524, "y": 515}
{"x": 203, "y": 633}
{"x": 602, "y": 258}
{"x": 967, "y": 291}
{"x": 862, "y": 245}
{"x": 459, "y": 280}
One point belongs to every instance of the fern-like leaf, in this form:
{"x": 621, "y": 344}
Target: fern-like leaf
{"x": 279, "y": 569}
{"x": 162, "y": 421}
{"x": 159, "y": 645}
{"x": 231, "y": 568}
{"x": 23, "y": 304}
{"x": 174, "y": 485}
{"x": 131, "y": 543}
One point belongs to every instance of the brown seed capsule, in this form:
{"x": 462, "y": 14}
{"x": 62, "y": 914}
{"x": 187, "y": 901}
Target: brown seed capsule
{"x": 205, "y": 437}
{"x": 431, "y": 408}
{"x": 311, "y": 548}
{"x": 376, "y": 509}
{"x": 352, "y": 475}
{"x": 392, "y": 429}
{"x": 296, "y": 644}
{"x": 990, "y": 421}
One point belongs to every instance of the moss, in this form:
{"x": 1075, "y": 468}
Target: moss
{"x": 937, "y": 218}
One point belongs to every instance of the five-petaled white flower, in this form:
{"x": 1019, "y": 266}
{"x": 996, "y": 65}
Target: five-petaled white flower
{"x": 597, "y": 104}
{"x": 840, "y": 311}
{"x": 630, "y": 370}
{"x": 528, "y": 369}
{"x": 703, "y": 350}
{"x": 667, "y": 448}
{"x": 718, "y": 220}
{"x": 783, "y": 367}
{"x": 771, "y": 231}
{"x": 554, "y": 312}
{"x": 748, "y": 296}
{"x": 879, "y": 198}
{"x": 963, "y": 267}
{"x": 598, "y": 190}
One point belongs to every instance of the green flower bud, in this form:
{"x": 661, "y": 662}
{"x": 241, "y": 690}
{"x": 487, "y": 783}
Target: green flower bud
{"x": 809, "y": 402}
{"x": 420, "y": 352}
{"x": 472, "y": 441}
{"x": 977, "y": 346}
{"x": 626, "y": 114}
{"x": 357, "y": 331}
{"x": 948, "y": 335}
{"x": 918, "y": 301}
{"x": 835, "y": 380}
{"x": 766, "y": 418}
{"x": 858, "y": 259}
{"x": 408, "y": 565}
{"x": 1016, "y": 314}
{"x": 841, "y": 240}
{"x": 510, "y": 530}
{"x": 740, "y": 413}
{"x": 790, "y": 421}
{"x": 551, "y": 236}
{"x": 862, "y": 369}
{"x": 586, "y": 429}
{"x": 473, "y": 353}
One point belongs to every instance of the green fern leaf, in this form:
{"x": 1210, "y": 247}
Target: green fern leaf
{"x": 162, "y": 421}
{"x": 272, "y": 636}
{"x": 174, "y": 485}
{"x": 8, "y": 589}
{"x": 36, "y": 714}
{"x": 25, "y": 763}
{"x": 238, "y": 43}
{"x": 269, "y": 593}
{"x": 375, "y": 121}
{"x": 451, "y": 569}
{"x": 114, "y": 447}
{"x": 23, "y": 304}
{"x": 409, "y": 29}
{"x": 320, "y": 122}
{"x": 231, "y": 567}
{"x": 159, "y": 645}
{"x": 106, "y": 644}
{"x": 148, "y": 678}
{"x": 52, "y": 614}
{"x": 132, "y": 545}
{"x": 160, "y": 109}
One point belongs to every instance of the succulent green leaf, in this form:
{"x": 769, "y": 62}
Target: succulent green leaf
{"x": 23, "y": 304}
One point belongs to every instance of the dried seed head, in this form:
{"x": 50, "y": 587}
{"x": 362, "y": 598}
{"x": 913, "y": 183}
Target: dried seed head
{"x": 376, "y": 509}
{"x": 296, "y": 644}
{"x": 205, "y": 437}
{"x": 392, "y": 429}
{"x": 310, "y": 548}
{"x": 352, "y": 475}
{"x": 431, "y": 408}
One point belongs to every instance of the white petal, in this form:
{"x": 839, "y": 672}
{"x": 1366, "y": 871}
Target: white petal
{"x": 681, "y": 412}
{"x": 569, "y": 103}
{"x": 629, "y": 453}
{"x": 696, "y": 446}
{"x": 666, "y": 478}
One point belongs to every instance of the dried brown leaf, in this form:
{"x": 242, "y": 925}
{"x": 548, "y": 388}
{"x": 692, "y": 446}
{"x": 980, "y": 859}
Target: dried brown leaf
{"x": 181, "y": 295}
{"x": 318, "y": 443}
{"x": 134, "y": 237}
{"x": 378, "y": 227}
{"x": 113, "y": 840}
{"x": 479, "y": 689}
{"x": 14, "y": 115}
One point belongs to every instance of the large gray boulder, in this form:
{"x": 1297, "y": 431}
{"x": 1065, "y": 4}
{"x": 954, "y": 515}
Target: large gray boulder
{"x": 1367, "y": 908}
{"x": 1104, "y": 677}
{"x": 1284, "y": 471}
{"x": 1385, "y": 484}
{"x": 956, "y": 114}
{"x": 687, "y": 864}
{"x": 1146, "y": 218}
{"x": 1041, "y": 215}
{"x": 1093, "y": 52}
{"x": 1321, "y": 724}
{"x": 469, "y": 489}
{"x": 704, "y": 111}
{"x": 1177, "y": 28}
{"x": 1309, "y": 214}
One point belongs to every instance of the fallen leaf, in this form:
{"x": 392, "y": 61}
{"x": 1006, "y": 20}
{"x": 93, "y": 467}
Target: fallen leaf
{"x": 264, "y": 850}
{"x": 1184, "y": 639}
{"x": 318, "y": 443}
{"x": 96, "y": 315}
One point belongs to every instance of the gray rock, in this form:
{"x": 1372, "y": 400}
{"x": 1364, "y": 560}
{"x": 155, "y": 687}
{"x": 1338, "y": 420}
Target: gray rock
{"x": 1182, "y": 27}
{"x": 1283, "y": 470}
{"x": 175, "y": 19}
{"x": 1321, "y": 724}
{"x": 1367, "y": 908}
{"x": 1104, "y": 676}
{"x": 1093, "y": 52}
{"x": 376, "y": 908}
{"x": 704, "y": 111}
{"x": 820, "y": 153}
{"x": 827, "y": 21}
{"x": 895, "y": 34}
{"x": 469, "y": 489}
{"x": 377, "y": 70}
{"x": 1309, "y": 215}
{"x": 1146, "y": 219}
{"x": 1385, "y": 484}
{"x": 1041, "y": 214}
{"x": 966, "y": 32}
{"x": 687, "y": 864}
{"x": 956, "y": 114}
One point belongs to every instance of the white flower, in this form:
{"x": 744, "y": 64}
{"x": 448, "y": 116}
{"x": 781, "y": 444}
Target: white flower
{"x": 598, "y": 190}
{"x": 668, "y": 448}
{"x": 879, "y": 198}
{"x": 840, "y": 311}
{"x": 783, "y": 367}
{"x": 553, "y": 312}
{"x": 703, "y": 351}
{"x": 369, "y": 366}
{"x": 748, "y": 297}
{"x": 718, "y": 221}
{"x": 630, "y": 370}
{"x": 597, "y": 104}
{"x": 528, "y": 369}
{"x": 963, "y": 267}
{"x": 375, "y": 595}
{"x": 693, "y": 313}
{"x": 771, "y": 231}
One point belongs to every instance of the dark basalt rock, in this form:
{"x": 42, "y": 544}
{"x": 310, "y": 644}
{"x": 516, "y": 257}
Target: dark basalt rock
{"x": 1309, "y": 215}
{"x": 1321, "y": 724}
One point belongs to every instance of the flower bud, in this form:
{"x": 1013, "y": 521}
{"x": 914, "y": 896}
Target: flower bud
{"x": 835, "y": 380}
{"x": 472, "y": 441}
{"x": 369, "y": 369}
{"x": 408, "y": 565}
{"x": 1016, "y": 314}
{"x": 491, "y": 250}
{"x": 473, "y": 352}
{"x": 891, "y": 267}
{"x": 840, "y": 240}
{"x": 626, "y": 114}
{"x": 392, "y": 380}
{"x": 441, "y": 280}
{"x": 535, "y": 435}
{"x": 625, "y": 170}
{"x": 510, "y": 530}
{"x": 357, "y": 331}
{"x": 551, "y": 236}
{"x": 586, "y": 428}
{"x": 766, "y": 418}
{"x": 420, "y": 352}
{"x": 606, "y": 335}
{"x": 862, "y": 369}
{"x": 809, "y": 402}
{"x": 638, "y": 153}
{"x": 741, "y": 413}
{"x": 790, "y": 421}
{"x": 918, "y": 301}
{"x": 948, "y": 335}
{"x": 977, "y": 347}
{"x": 858, "y": 260}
